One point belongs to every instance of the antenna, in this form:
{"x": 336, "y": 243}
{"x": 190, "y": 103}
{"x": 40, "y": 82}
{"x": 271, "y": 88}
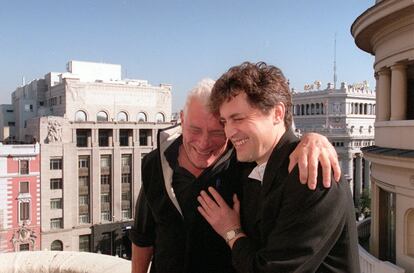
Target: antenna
{"x": 334, "y": 65}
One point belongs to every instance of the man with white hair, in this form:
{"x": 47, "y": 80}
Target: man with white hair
{"x": 190, "y": 158}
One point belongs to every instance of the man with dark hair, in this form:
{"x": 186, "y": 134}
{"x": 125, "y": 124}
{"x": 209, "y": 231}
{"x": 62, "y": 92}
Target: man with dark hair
{"x": 279, "y": 225}
{"x": 192, "y": 157}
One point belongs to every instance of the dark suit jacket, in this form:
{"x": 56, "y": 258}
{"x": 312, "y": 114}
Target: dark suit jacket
{"x": 291, "y": 228}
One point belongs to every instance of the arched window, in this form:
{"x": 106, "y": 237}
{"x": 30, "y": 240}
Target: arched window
{"x": 80, "y": 116}
{"x": 56, "y": 245}
{"x": 409, "y": 237}
{"x": 102, "y": 116}
{"x": 159, "y": 117}
{"x": 298, "y": 110}
{"x": 307, "y": 109}
{"x": 317, "y": 109}
{"x": 142, "y": 117}
{"x": 302, "y": 112}
{"x": 122, "y": 116}
{"x": 312, "y": 109}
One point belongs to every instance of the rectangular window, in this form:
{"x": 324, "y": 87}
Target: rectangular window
{"x": 126, "y": 178}
{"x": 11, "y": 124}
{"x": 126, "y": 196}
{"x": 106, "y": 216}
{"x": 24, "y": 211}
{"x": 106, "y": 161}
{"x": 9, "y": 111}
{"x": 105, "y": 198}
{"x": 27, "y": 107}
{"x": 105, "y": 180}
{"x": 56, "y": 223}
{"x": 56, "y": 164}
{"x": 56, "y": 183}
{"x": 83, "y": 218}
{"x": 56, "y": 203}
{"x": 85, "y": 243}
{"x": 83, "y": 162}
{"x": 24, "y": 166}
{"x": 83, "y": 200}
{"x": 24, "y": 187}
{"x": 24, "y": 247}
{"x": 126, "y": 214}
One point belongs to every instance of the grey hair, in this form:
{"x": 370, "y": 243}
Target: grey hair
{"x": 201, "y": 92}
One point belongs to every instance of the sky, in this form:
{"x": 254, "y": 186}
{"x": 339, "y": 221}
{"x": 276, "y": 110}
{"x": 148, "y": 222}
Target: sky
{"x": 179, "y": 42}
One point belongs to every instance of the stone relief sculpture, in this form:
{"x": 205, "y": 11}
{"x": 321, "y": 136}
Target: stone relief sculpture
{"x": 23, "y": 235}
{"x": 54, "y": 133}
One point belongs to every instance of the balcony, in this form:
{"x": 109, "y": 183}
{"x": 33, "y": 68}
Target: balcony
{"x": 61, "y": 261}
{"x": 369, "y": 263}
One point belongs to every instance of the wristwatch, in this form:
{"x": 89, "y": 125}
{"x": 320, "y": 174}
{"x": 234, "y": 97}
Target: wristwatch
{"x": 232, "y": 233}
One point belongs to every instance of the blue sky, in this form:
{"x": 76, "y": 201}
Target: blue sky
{"x": 181, "y": 41}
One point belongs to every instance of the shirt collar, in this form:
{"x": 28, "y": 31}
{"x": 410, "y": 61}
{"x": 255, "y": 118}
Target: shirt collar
{"x": 258, "y": 172}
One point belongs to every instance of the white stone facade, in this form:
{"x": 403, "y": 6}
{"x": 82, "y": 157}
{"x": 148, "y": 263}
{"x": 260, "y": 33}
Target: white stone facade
{"x": 386, "y": 30}
{"x": 346, "y": 117}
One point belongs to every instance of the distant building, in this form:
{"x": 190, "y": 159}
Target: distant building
{"x": 93, "y": 129}
{"x": 7, "y": 124}
{"x": 386, "y": 30}
{"x": 346, "y": 116}
{"x": 19, "y": 198}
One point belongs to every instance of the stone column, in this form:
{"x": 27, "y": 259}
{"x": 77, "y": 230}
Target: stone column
{"x": 398, "y": 92}
{"x": 348, "y": 170}
{"x": 358, "y": 178}
{"x": 383, "y": 95}
{"x": 367, "y": 172}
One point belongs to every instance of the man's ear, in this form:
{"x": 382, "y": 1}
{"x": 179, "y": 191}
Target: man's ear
{"x": 279, "y": 113}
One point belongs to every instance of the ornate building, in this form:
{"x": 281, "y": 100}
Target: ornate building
{"x": 19, "y": 198}
{"x": 386, "y": 30}
{"x": 346, "y": 117}
{"x": 93, "y": 129}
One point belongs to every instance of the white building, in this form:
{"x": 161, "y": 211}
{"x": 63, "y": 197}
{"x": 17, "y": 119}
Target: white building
{"x": 386, "y": 30}
{"x": 346, "y": 117}
{"x": 93, "y": 129}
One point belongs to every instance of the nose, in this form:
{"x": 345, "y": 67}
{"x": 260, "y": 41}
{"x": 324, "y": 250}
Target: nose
{"x": 229, "y": 130}
{"x": 204, "y": 141}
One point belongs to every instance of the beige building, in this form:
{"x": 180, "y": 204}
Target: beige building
{"x": 386, "y": 30}
{"x": 346, "y": 116}
{"x": 93, "y": 129}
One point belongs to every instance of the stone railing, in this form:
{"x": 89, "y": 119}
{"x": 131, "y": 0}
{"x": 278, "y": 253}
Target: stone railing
{"x": 368, "y": 263}
{"x": 61, "y": 261}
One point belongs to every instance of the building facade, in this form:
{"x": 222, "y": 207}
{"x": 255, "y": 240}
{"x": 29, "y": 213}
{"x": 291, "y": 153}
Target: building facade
{"x": 386, "y": 30}
{"x": 19, "y": 198}
{"x": 346, "y": 116}
{"x": 93, "y": 129}
{"x": 7, "y": 124}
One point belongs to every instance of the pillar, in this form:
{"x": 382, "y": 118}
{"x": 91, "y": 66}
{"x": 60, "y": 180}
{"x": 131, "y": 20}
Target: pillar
{"x": 398, "y": 92}
{"x": 383, "y": 95}
{"x": 358, "y": 179}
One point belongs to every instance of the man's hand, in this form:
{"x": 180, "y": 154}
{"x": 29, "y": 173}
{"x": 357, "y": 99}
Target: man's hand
{"x": 312, "y": 149}
{"x": 218, "y": 214}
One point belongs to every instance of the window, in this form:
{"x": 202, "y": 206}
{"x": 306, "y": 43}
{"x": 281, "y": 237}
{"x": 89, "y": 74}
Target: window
{"x": 106, "y": 216}
{"x": 126, "y": 160}
{"x": 84, "y": 181}
{"x": 126, "y": 178}
{"x": 126, "y": 196}
{"x": 105, "y": 198}
{"x": 24, "y": 166}
{"x": 126, "y": 214}
{"x": 24, "y": 187}
{"x": 105, "y": 161}
{"x": 82, "y": 138}
{"x": 83, "y": 162}
{"x": 409, "y": 219}
{"x": 9, "y": 111}
{"x": 102, "y": 116}
{"x": 122, "y": 116}
{"x": 142, "y": 117}
{"x": 56, "y": 245}
{"x": 10, "y": 123}
{"x": 56, "y": 164}
{"x": 105, "y": 180}
{"x": 56, "y": 183}
{"x": 83, "y": 200}
{"x": 83, "y": 218}
{"x": 24, "y": 247}
{"x": 159, "y": 117}
{"x": 24, "y": 211}
{"x": 56, "y": 203}
{"x": 85, "y": 243}
{"x": 56, "y": 223}
{"x": 80, "y": 116}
